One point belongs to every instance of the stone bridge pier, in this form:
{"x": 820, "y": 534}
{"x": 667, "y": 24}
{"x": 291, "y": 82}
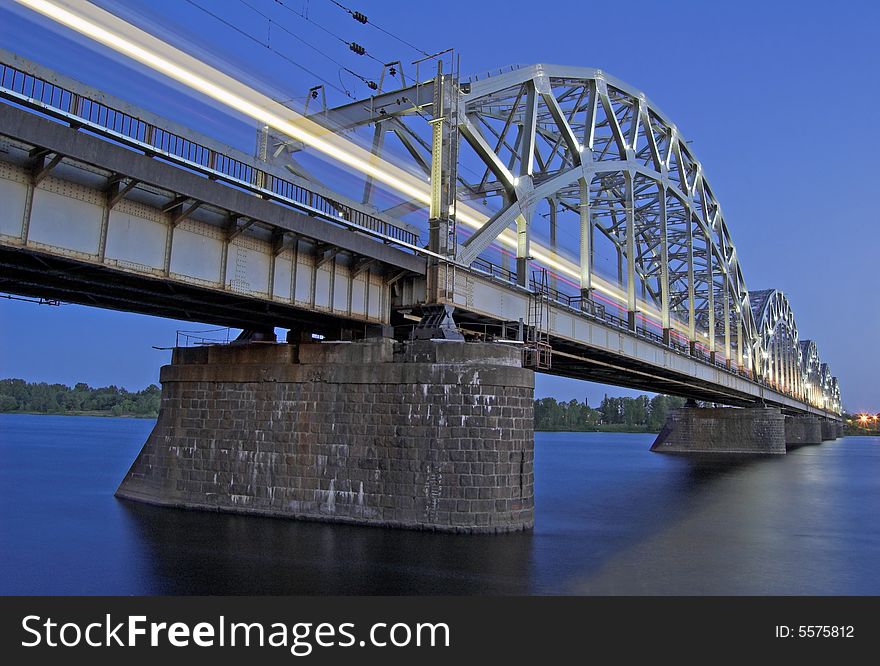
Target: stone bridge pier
{"x": 754, "y": 430}
{"x": 692, "y": 429}
{"x": 426, "y": 434}
{"x": 831, "y": 429}
{"x": 802, "y": 430}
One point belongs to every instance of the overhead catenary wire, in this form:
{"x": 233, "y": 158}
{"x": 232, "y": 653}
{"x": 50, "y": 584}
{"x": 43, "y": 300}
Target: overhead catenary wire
{"x": 362, "y": 18}
{"x": 251, "y": 37}
{"x": 352, "y": 45}
{"x": 370, "y": 84}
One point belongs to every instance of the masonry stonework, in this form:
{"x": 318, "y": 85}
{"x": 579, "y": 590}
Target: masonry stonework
{"x": 801, "y": 430}
{"x": 831, "y": 429}
{"x": 722, "y": 430}
{"x": 430, "y": 435}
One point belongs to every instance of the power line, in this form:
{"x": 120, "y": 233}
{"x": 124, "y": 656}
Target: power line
{"x": 362, "y": 18}
{"x": 292, "y": 34}
{"x": 370, "y": 84}
{"x": 275, "y": 51}
{"x": 353, "y": 46}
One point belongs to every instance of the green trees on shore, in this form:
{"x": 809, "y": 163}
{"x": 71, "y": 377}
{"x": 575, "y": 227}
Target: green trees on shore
{"x": 624, "y": 414}
{"x": 17, "y": 395}
{"x": 641, "y": 413}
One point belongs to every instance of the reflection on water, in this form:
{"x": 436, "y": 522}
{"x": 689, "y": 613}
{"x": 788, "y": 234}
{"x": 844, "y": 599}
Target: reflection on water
{"x": 611, "y": 518}
{"x": 228, "y": 554}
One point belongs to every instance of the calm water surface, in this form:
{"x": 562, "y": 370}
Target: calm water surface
{"x": 612, "y": 518}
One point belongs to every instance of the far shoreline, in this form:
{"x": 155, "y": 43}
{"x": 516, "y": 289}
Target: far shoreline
{"x": 105, "y": 415}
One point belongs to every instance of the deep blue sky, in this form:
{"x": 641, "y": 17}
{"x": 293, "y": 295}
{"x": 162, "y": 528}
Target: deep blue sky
{"x": 778, "y": 98}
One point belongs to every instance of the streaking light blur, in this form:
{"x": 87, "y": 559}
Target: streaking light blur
{"x": 113, "y": 32}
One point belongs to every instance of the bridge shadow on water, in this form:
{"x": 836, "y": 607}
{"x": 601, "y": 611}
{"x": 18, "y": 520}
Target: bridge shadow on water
{"x": 594, "y": 499}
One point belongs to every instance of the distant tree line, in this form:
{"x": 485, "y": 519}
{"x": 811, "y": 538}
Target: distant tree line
{"x": 863, "y": 423}
{"x": 17, "y": 395}
{"x": 639, "y": 414}
{"x": 621, "y": 414}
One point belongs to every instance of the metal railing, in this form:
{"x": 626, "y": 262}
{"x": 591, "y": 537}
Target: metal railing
{"x": 496, "y": 271}
{"x": 32, "y": 91}
{"x": 583, "y": 305}
{"x": 211, "y": 336}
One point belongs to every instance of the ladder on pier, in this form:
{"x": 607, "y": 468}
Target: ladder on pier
{"x": 537, "y": 352}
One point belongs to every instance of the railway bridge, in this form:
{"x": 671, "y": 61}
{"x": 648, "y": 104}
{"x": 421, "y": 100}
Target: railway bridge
{"x": 542, "y": 218}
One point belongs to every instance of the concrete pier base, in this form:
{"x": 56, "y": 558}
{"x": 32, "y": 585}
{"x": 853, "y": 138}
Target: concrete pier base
{"x": 802, "y": 430}
{"x": 722, "y": 430}
{"x": 427, "y": 434}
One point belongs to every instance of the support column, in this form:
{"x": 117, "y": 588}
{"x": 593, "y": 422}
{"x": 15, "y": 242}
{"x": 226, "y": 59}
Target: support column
{"x": 586, "y": 256}
{"x": 665, "y": 324}
{"x": 553, "y": 235}
{"x": 783, "y": 364}
{"x": 787, "y": 359}
{"x": 424, "y": 435}
{"x": 739, "y": 339}
{"x": 630, "y": 253}
{"x": 727, "y": 360}
{"x": 777, "y": 364}
{"x": 702, "y": 430}
{"x": 522, "y": 251}
{"x": 802, "y": 430}
{"x": 829, "y": 430}
{"x": 710, "y": 268}
{"x": 772, "y": 363}
{"x": 692, "y": 319}
{"x": 444, "y": 160}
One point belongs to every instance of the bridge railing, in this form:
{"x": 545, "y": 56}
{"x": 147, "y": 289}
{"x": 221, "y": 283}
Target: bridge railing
{"x": 584, "y": 306}
{"x": 211, "y": 336}
{"x": 496, "y": 271}
{"x": 37, "y": 93}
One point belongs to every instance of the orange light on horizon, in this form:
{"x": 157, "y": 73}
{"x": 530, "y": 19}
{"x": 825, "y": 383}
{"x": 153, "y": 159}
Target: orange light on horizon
{"x": 864, "y": 419}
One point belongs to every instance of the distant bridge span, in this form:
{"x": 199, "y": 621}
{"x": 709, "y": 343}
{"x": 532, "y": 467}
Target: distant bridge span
{"x": 109, "y": 205}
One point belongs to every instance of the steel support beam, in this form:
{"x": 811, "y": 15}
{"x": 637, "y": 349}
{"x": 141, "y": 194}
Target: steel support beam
{"x": 586, "y": 235}
{"x": 630, "y": 253}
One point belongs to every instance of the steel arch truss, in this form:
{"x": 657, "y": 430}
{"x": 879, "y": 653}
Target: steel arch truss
{"x": 587, "y": 147}
{"x": 788, "y": 364}
{"x": 777, "y": 346}
{"x": 552, "y": 151}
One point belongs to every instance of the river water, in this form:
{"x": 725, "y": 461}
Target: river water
{"x": 611, "y": 518}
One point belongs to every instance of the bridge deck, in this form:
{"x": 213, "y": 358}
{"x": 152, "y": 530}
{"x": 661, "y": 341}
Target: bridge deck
{"x": 66, "y": 233}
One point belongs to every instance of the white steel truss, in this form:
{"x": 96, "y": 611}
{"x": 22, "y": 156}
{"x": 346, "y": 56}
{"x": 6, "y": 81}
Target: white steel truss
{"x": 595, "y": 160}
